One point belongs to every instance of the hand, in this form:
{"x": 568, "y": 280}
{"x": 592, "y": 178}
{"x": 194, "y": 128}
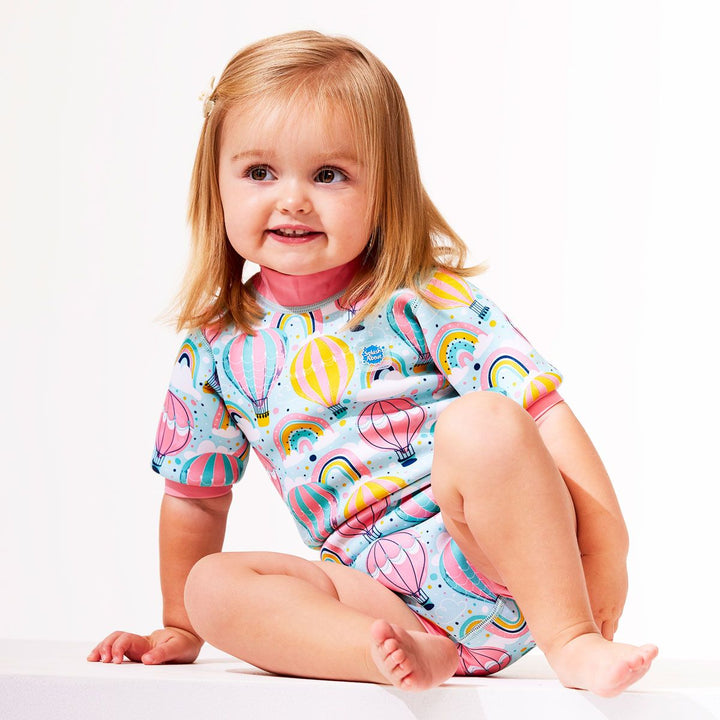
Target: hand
{"x": 607, "y": 584}
{"x": 169, "y": 645}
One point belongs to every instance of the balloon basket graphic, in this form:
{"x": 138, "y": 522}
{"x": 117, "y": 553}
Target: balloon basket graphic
{"x": 406, "y": 455}
{"x": 261, "y": 411}
{"x": 157, "y": 460}
{"x": 481, "y": 310}
{"x": 372, "y": 534}
{"x": 338, "y": 410}
{"x": 423, "y": 599}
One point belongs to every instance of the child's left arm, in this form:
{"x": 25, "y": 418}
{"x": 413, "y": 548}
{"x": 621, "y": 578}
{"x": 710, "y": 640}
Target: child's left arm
{"x": 602, "y": 535}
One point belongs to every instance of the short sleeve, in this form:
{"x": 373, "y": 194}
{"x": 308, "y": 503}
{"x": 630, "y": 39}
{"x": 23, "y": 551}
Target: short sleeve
{"x": 199, "y": 450}
{"x": 477, "y": 347}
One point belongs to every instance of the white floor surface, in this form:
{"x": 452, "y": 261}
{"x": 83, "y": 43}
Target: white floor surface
{"x": 52, "y": 680}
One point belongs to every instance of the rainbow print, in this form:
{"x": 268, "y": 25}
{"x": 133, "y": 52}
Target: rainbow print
{"x": 297, "y": 433}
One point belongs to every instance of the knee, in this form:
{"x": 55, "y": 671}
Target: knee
{"x": 477, "y": 437}
{"x": 201, "y": 590}
{"x": 486, "y": 418}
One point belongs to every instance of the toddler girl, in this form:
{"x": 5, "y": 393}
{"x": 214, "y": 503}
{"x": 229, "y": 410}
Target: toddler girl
{"x": 418, "y": 440}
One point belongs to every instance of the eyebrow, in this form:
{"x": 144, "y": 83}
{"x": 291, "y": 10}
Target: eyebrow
{"x": 326, "y": 158}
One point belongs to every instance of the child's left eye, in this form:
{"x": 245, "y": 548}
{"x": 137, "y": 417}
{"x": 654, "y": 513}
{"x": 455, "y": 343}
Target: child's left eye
{"x": 329, "y": 175}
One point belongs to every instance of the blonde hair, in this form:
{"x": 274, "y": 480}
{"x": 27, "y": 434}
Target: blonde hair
{"x": 410, "y": 238}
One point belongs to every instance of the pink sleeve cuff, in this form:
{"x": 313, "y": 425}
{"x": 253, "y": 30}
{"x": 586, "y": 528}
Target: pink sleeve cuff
{"x": 543, "y": 404}
{"x": 194, "y": 491}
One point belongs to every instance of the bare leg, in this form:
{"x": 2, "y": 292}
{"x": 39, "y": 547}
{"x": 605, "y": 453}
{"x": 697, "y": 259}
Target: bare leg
{"x": 314, "y": 619}
{"x": 506, "y": 505}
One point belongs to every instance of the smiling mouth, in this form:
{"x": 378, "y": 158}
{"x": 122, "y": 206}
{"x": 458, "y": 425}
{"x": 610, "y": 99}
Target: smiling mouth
{"x": 294, "y": 235}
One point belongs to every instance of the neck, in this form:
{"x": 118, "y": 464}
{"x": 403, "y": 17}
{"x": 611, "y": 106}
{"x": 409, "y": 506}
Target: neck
{"x": 301, "y": 290}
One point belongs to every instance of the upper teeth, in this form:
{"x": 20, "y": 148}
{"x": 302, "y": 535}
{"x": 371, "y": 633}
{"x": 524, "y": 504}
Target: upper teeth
{"x": 291, "y": 233}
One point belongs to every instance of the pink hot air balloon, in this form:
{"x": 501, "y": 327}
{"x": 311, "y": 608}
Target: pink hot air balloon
{"x": 399, "y": 562}
{"x": 418, "y": 507}
{"x": 253, "y": 363}
{"x": 482, "y": 660}
{"x": 314, "y": 507}
{"x": 391, "y": 425}
{"x": 212, "y": 469}
{"x": 173, "y": 432}
{"x": 460, "y": 575}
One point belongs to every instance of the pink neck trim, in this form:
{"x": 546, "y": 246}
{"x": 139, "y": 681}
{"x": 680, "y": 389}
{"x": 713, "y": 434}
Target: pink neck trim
{"x": 302, "y": 290}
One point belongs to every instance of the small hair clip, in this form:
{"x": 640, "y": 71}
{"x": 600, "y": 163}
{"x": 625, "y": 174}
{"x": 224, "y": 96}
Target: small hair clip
{"x": 205, "y": 97}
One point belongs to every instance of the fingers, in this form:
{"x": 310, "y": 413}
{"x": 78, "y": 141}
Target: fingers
{"x": 102, "y": 652}
{"x": 118, "y": 645}
{"x": 163, "y": 646}
{"x": 172, "y": 645}
{"x": 161, "y": 653}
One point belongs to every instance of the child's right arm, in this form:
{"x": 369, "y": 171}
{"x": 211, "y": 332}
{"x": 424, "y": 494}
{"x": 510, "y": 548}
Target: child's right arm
{"x": 189, "y": 530}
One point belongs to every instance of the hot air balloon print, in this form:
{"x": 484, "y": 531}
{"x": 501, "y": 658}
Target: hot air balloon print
{"x": 314, "y": 507}
{"x": 253, "y": 363}
{"x": 540, "y": 385}
{"x": 215, "y": 469}
{"x": 364, "y": 522}
{"x": 482, "y": 660}
{"x": 402, "y": 320}
{"x": 460, "y": 575}
{"x": 446, "y": 291}
{"x": 418, "y": 507}
{"x": 367, "y": 504}
{"x": 321, "y": 372}
{"x": 399, "y": 562}
{"x": 173, "y": 432}
{"x": 370, "y": 492}
{"x": 392, "y": 425}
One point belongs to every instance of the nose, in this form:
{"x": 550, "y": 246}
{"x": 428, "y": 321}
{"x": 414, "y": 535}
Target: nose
{"x": 293, "y": 198}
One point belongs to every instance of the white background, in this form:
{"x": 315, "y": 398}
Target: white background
{"x": 575, "y": 146}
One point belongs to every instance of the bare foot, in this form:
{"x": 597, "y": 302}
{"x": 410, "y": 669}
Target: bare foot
{"x": 589, "y": 662}
{"x": 412, "y": 660}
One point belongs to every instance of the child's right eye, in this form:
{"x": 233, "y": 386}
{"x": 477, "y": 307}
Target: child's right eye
{"x": 260, "y": 173}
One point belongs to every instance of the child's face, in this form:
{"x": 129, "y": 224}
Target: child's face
{"x": 294, "y": 192}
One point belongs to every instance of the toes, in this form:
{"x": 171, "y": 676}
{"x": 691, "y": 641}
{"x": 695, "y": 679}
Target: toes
{"x": 390, "y": 646}
{"x": 650, "y": 652}
{"x": 397, "y": 658}
{"x": 380, "y": 631}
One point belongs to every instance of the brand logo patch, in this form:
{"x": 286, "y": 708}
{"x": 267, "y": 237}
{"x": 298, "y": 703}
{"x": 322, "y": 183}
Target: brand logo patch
{"x": 373, "y": 354}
